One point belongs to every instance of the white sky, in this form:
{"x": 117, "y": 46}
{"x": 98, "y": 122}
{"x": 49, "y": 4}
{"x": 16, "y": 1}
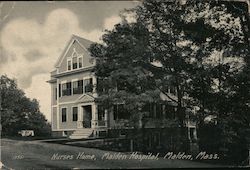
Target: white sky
{"x": 31, "y": 42}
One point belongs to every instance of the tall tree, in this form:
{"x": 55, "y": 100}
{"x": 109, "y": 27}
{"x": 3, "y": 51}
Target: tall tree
{"x": 201, "y": 49}
{"x": 19, "y": 112}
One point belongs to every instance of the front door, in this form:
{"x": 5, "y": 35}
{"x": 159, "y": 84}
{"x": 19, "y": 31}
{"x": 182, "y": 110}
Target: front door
{"x": 87, "y": 116}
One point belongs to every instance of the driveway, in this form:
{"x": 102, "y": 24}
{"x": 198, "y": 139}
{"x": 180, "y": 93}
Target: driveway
{"x": 18, "y": 154}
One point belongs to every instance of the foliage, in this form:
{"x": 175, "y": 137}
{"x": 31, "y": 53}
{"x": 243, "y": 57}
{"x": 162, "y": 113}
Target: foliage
{"x": 19, "y": 112}
{"x": 202, "y": 49}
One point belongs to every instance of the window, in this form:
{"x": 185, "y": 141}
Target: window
{"x": 101, "y": 112}
{"x": 75, "y": 62}
{"x": 78, "y": 87}
{"x": 64, "y": 114}
{"x": 75, "y": 87}
{"x": 80, "y": 62}
{"x": 69, "y": 64}
{"x": 88, "y": 85}
{"x": 66, "y": 89}
{"x": 75, "y": 113}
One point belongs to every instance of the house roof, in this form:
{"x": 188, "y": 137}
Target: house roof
{"x": 82, "y": 41}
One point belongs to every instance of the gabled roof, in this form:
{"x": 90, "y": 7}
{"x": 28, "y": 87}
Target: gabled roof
{"x": 84, "y": 43}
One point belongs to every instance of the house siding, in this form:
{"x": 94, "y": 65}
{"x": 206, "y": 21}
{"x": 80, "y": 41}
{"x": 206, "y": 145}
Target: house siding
{"x": 87, "y": 59}
{"x": 54, "y": 118}
{"x": 69, "y": 124}
{"x": 53, "y": 94}
{"x": 69, "y": 78}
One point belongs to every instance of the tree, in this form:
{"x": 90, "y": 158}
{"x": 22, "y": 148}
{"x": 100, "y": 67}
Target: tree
{"x": 203, "y": 47}
{"x": 202, "y": 50}
{"x": 19, "y": 112}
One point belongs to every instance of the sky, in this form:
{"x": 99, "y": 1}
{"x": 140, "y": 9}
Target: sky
{"x": 33, "y": 35}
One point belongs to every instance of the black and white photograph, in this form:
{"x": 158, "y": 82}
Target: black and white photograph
{"x": 133, "y": 84}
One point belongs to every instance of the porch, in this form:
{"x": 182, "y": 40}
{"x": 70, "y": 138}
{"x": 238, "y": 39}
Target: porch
{"x": 89, "y": 117}
{"x": 92, "y": 122}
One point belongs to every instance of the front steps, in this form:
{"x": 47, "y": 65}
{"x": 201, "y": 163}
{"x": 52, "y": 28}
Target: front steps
{"x": 82, "y": 133}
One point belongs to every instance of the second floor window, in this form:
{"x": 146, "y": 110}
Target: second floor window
{"x": 66, "y": 89}
{"x": 78, "y": 87}
{"x": 88, "y": 85}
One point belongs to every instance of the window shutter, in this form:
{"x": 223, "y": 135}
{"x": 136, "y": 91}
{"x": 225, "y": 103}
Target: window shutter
{"x": 59, "y": 90}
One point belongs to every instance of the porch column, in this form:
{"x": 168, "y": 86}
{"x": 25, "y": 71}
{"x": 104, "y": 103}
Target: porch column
{"x": 79, "y": 116}
{"x": 94, "y": 115}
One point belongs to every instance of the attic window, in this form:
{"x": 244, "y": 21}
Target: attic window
{"x": 74, "y": 62}
{"x": 69, "y": 64}
{"x": 80, "y": 62}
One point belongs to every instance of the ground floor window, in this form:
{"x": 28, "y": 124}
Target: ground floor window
{"x": 75, "y": 113}
{"x": 64, "y": 114}
{"x": 101, "y": 112}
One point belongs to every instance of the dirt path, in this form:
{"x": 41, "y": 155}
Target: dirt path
{"x": 39, "y": 155}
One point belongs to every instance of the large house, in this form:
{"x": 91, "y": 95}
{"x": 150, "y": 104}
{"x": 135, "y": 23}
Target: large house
{"x": 75, "y": 112}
